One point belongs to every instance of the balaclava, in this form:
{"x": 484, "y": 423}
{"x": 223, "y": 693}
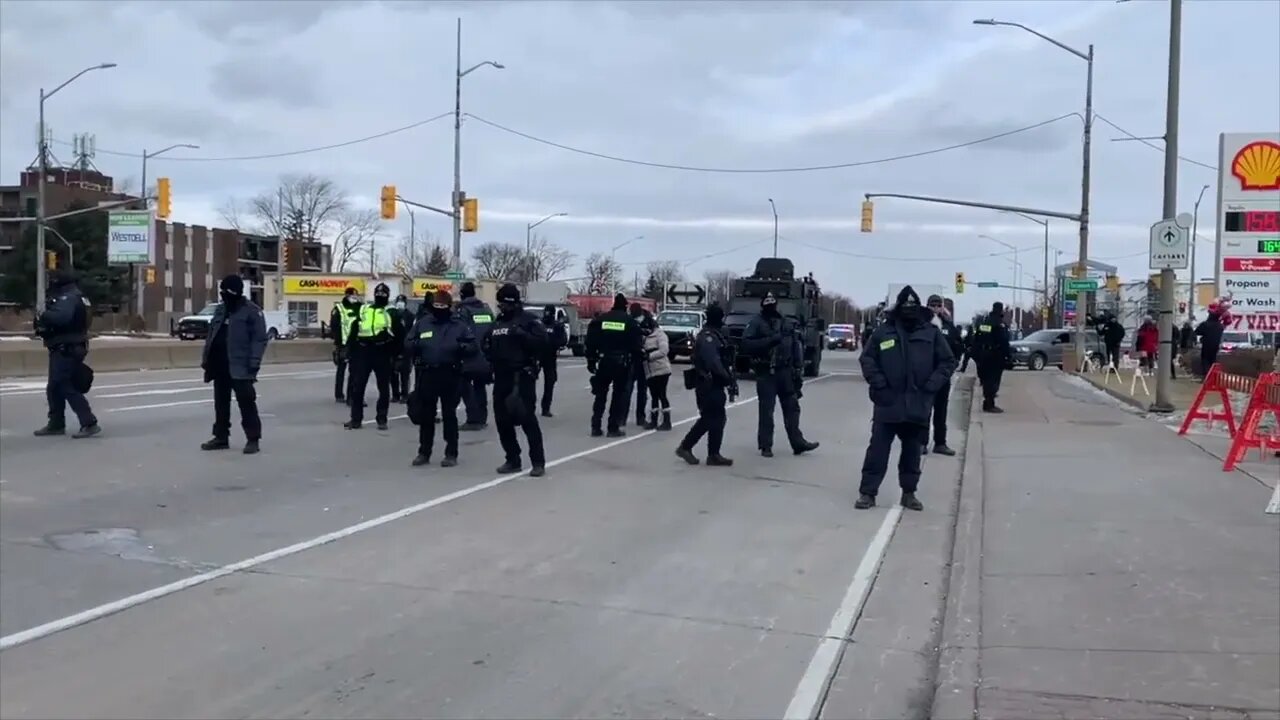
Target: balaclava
{"x": 508, "y": 300}
{"x": 908, "y": 308}
{"x": 381, "y": 295}
{"x": 620, "y": 303}
{"x": 468, "y": 290}
{"x": 59, "y": 279}
{"x": 231, "y": 290}
{"x": 769, "y": 305}
{"x": 549, "y": 314}
{"x": 442, "y": 305}
{"x": 997, "y": 311}
{"x": 715, "y": 316}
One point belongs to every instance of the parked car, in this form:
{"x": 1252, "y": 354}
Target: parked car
{"x": 681, "y": 327}
{"x": 1233, "y": 340}
{"x": 196, "y": 327}
{"x": 1047, "y": 347}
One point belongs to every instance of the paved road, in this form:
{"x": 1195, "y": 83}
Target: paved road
{"x": 327, "y": 578}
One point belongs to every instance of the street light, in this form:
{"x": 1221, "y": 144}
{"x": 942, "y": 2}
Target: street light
{"x": 1195, "y": 222}
{"x": 1084, "y": 176}
{"x": 775, "y": 227}
{"x": 530, "y": 270}
{"x": 1045, "y": 224}
{"x": 146, "y": 201}
{"x": 457, "y": 146}
{"x": 44, "y": 174}
{"x": 1017, "y": 275}
{"x": 614, "y": 263}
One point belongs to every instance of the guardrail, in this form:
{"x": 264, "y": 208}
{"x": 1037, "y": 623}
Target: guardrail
{"x": 123, "y": 355}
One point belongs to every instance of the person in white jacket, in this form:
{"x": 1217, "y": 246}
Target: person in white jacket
{"x": 657, "y": 373}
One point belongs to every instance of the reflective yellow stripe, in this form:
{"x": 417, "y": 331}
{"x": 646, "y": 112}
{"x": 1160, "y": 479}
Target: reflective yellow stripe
{"x": 347, "y": 316}
{"x": 613, "y": 325}
{"x": 984, "y": 328}
{"x": 481, "y": 319}
{"x": 426, "y": 334}
{"x": 373, "y": 321}
{"x": 887, "y": 344}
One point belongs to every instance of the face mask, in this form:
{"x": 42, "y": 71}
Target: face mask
{"x": 770, "y": 310}
{"x": 230, "y": 299}
{"x": 441, "y": 313}
{"x": 548, "y": 317}
{"x": 507, "y": 309}
{"x": 400, "y": 305}
{"x": 380, "y": 300}
{"x": 350, "y": 300}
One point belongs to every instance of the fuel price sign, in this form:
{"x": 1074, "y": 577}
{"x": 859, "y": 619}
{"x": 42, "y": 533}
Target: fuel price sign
{"x": 1269, "y": 247}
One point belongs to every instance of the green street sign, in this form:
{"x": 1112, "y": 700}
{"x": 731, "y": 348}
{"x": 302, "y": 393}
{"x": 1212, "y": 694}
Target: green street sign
{"x": 1084, "y": 285}
{"x": 451, "y": 275}
{"x": 988, "y": 284}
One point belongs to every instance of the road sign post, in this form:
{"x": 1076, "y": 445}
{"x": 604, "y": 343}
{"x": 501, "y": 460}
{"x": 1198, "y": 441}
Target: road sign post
{"x": 1089, "y": 285}
{"x": 1170, "y": 244}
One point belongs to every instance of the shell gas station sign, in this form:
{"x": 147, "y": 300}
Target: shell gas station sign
{"x": 322, "y": 285}
{"x": 1248, "y": 249}
{"x": 424, "y": 286}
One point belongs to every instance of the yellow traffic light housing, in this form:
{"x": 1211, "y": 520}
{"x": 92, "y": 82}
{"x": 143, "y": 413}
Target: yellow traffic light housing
{"x": 164, "y": 198}
{"x": 388, "y": 203}
{"x": 1113, "y": 283}
{"x": 959, "y": 283}
{"x": 868, "y": 210}
{"x": 151, "y": 275}
{"x": 470, "y": 215}
{"x": 51, "y": 259}
{"x": 284, "y": 253}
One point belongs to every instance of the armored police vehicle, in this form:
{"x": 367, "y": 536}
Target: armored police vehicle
{"x": 798, "y": 299}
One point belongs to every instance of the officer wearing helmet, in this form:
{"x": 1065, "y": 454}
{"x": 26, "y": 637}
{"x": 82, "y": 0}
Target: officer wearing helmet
{"x": 373, "y": 349}
{"x": 513, "y": 346}
{"x": 437, "y": 345}
{"x": 64, "y": 327}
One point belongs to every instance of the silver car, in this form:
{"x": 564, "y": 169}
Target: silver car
{"x": 1047, "y": 347}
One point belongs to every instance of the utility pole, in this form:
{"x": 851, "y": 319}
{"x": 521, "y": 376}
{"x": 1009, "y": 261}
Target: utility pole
{"x": 457, "y": 146}
{"x": 1082, "y": 298}
{"x": 775, "y": 227}
{"x": 1168, "y": 278}
{"x": 280, "y": 248}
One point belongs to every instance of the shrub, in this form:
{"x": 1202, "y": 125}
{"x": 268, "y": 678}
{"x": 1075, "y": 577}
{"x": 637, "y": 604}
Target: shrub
{"x": 1250, "y": 363}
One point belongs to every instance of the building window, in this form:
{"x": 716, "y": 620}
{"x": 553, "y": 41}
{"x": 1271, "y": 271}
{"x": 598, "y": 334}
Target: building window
{"x": 304, "y": 314}
{"x": 31, "y": 208}
{"x": 167, "y": 266}
{"x": 188, "y": 289}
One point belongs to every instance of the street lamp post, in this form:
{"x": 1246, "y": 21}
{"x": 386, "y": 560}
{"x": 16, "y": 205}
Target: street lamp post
{"x": 457, "y": 147}
{"x": 530, "y": 270}
{"x": 43, "y": 162}
{"x": 613, "y": 262}
{"x": 135, "y": 281}
{"x": 1017, "y": 278}
{"x": 1195, "y": 222}
{"x": 1083, "y": 298}
{"x": 413, "y": 237}
{"x": 1045, "y": 224}
{"x": 775, "y": 227}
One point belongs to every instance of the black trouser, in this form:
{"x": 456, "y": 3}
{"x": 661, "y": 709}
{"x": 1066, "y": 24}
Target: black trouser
{"x": 615, "y": 375}
{"x": 550, "y": 375}
{"x": 658, "y": 391}
{"x": 990, "y": 373}
{"x": 400, "y": 378}
{"x": 438, "y": 386}
{"x": 341, "y": 380}
{"x": 525, "y": 386}
{"x": 711, "y": 418}
{"x": 475, "y": 399}
{"x": 876, "y": 463}
{"x": 60, "y": 390}
{"x": 1113, "y": 354}
{"x": 777, "y": 388}
{"x": 1208, "y": 356}
{"x": 370, "y": 360}
{"x": 964, "y": 361}
{"x": 637, "y": 376}
{"x": 246, "y": 397}
{"x": 940, "y": 403}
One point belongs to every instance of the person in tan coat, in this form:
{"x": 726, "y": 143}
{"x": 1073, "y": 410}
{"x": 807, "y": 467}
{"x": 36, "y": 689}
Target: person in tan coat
{"x": 657, "y": 373}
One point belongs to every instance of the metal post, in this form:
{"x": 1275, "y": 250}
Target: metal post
{"x": 280, "y": 246}
{"x": 1082, "y": 298}
{"x": 41, "y": 280}
{"x": 1044, "y": 312}
{"x": 456, "y": 205}
{"x": 1168, "y": 278}
{"x": 1195, "y": 223}
{"x": 775, "y": 227}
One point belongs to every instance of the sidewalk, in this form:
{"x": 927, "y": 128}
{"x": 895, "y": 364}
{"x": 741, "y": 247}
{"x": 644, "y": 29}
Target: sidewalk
{"x": 1105, "y": 568}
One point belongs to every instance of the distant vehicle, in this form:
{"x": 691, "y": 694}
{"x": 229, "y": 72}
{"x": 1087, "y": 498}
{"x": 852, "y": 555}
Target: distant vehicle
{"x": 842, "y": 337}
{"x": 798, "y": 299}
{"x": 1047, "y": 347}
{"x": 540, "y": 294}
{"x": 681, "y": 326}
{"x": 196, "y": 327}
{"x": 1233, "y": 340}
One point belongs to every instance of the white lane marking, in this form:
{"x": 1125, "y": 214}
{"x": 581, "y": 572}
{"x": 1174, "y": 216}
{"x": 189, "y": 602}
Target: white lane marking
{"x": 806, "y": 702}
{"x": 30, "y": 387}
{"x": 1273, "y": 507}
{"x": 130, "y": 408}
{"x": 157, "y": 391}
{"x": 87, "y": 616}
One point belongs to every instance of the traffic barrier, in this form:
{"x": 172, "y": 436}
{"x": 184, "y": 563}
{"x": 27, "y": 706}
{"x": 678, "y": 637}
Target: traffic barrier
{"x": 152, "y": 355}
{"x": 1138, "y": 377}
{"x": 1264, "y": 399}
{"x": 1217, "y": 382}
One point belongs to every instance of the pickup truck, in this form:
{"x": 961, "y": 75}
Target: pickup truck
{"x": 196, "y": 327}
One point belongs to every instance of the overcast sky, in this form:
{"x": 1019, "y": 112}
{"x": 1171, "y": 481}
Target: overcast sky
{"x": 734, "y": 85}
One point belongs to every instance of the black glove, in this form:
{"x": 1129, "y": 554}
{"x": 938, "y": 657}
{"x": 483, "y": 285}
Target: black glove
{"x": 591, "y": 366}
{"x": 733, "y": 391}
{"x": 337, "y": 356}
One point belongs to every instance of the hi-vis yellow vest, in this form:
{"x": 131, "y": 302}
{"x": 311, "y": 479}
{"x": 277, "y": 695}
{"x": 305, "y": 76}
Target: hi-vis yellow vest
{"x": 374, "y": 321}
{"x": 347, "y": 316}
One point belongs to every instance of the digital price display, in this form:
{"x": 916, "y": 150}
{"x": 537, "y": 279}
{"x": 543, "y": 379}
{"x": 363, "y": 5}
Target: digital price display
{"x": 1269, "y": 247}
{"x": 1252, "y": 221}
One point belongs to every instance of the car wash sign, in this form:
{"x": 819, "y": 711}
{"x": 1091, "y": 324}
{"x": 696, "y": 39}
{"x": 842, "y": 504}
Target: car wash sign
{"x": 129, "y": 237}
{"x": 1249, "y": 227}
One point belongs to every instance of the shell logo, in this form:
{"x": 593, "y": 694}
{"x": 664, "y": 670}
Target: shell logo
{"x": 1257, "y": 166}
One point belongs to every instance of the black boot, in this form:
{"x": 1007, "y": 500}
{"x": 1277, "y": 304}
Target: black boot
{"x": 865, "y": 501}
{"x": 419, "y": 460}
{"x": 352, "y": 425}
{"x": 87, "y": 431}
{"x": 538, "y": 471}
{"x": 508, "y": 467}
{"x": 805, "y": 447}
{"x": 653, "y": 421}
{"x": 666, "y": 421}
{"x": 687, "y": 455}
{"x": 943, "y": 449}
{"x": 719, "y": 461}
{"x": 215, "y": 443}
{"x": 616, "y": 433}
{"x": 251, "y": 447}
{"x": 449, "y": 461}
{"x": 597, "y": 432}
{"x": 911, "y": 502}
{"x": 51, "y": 429}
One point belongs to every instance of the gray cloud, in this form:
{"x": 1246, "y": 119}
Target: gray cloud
{"x": 269, "y": 78}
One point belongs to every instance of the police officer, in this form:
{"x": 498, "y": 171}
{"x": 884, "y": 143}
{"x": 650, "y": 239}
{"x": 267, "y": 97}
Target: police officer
{"x": 638, "y": 314}
{"x": 991, "y": 351}
{"x": 941, "y": 319}
{"x": 777, "y": 359}
{"x": 437, "y": 345}
{"x": 557, "y": 337}
{"x": 342, "y": 316}
{"x": 404, "y": 363}
{"x": 513, "y": 345}
{"x": 64, "y": 327}
{"x": 906, "y": 361}
{"x": 373, "y": 350}
{"x": 476, "y": 373}
{"x": 613, "y": 343}
{"x": 715, "y": 388}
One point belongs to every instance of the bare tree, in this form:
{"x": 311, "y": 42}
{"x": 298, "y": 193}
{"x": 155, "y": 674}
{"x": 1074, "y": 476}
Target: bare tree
{"x": 661, "y": 273}
{"x": 354, "y": 237}
{"x": 233, "y": 214}
{"x": 423, "y": 256}
{"x": 305, "y": 207}
{"x": 546, "y": 260}
{"x": 498, "y": 261}
{"x": 719, "y": 285}
{"x": 601, "y": 273}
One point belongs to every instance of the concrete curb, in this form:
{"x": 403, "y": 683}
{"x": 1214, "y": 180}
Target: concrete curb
{"x": 959, "y": 672}
{"x": 154, "y": 355}
{"x": 1122, "y": 397}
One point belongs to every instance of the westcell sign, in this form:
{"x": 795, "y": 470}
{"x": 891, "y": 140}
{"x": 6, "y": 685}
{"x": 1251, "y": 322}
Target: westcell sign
{"x": 322, "y": 285}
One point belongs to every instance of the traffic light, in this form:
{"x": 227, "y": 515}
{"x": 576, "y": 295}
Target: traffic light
{"x": 470, "y": 215}
{"x": 1113, "y": 283}
{"x": 388, "y": 202}
{"x": 868, "y": 208}
{"x": 151, "y": 275}
{"x": 51, "y": 259}
{"x": 959, "y": 283}
{"x": 284, "y": 254}
{"x": 164, "y": 200}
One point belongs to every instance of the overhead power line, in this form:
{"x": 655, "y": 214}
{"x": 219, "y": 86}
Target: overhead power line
{"x": 864, "y": 256}
{"x": 1153, "y": 146}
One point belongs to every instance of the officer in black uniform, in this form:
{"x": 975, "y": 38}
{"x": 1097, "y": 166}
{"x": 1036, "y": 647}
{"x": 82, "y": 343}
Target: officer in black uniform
{"x": 344, "y": 313}
{"x": 64, "y": 327}
{"x": 437, "y": 345}
{"x": 991, "y": 351}
{"x": 373, "y": 350}
{"x": 404, "y": 363}
{"x": 476, "y": 373}
{"x": 715, "y": 387}
{"x": 613, "y": 343}
{"x": 941, "y": 319}
{"x": 777, "y": 359}
{"x": 639, "y": 381}
{"x": 513, "y": 346}
{"x": 557, "y": 337}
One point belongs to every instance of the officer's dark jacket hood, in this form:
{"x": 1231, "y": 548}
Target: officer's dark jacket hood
{"x": 908, "y": 310}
